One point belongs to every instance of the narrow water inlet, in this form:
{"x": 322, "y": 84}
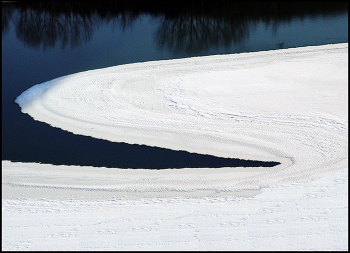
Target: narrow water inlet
{"x": 51, "y": 145}
{"x": 133, "y": 156}
{"x": 70, "y": 149}
{"x": 146, "y": 157}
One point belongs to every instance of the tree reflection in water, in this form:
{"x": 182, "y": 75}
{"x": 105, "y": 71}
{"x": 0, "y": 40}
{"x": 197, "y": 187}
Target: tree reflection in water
{"x": 184, "y": 26}
{"x": 37, "y": 28}
{"x": 193, "y": 34}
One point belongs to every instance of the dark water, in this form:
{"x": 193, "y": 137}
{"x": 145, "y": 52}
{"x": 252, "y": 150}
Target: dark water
{"x": 42, "y": 41}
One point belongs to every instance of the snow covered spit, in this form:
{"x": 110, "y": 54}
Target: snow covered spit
{"x": 289, "y": 106}
{"x": 286, "y": 105}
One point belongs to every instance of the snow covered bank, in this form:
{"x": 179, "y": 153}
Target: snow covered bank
{"x": 285, "y": 105}
{"x": 312, "y": 216}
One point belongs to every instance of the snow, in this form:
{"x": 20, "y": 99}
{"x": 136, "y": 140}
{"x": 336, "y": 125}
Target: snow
{"x": 299, "y": 216}
{"x": 287, "y": 105}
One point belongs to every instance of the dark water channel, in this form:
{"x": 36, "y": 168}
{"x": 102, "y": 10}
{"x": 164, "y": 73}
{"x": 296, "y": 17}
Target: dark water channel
{"x": 43, "y": 41}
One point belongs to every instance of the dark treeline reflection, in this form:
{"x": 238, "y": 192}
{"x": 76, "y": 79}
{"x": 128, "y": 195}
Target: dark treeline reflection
{"x": 184, "y": 26}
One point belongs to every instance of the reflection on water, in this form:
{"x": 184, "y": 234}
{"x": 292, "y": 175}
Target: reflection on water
{"x": 184, "y": 26}
{"x": 37, "y": 28}
{"x": 193, "y": 34}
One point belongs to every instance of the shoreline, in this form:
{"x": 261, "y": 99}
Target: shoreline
{"x": 259, "y": 106}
